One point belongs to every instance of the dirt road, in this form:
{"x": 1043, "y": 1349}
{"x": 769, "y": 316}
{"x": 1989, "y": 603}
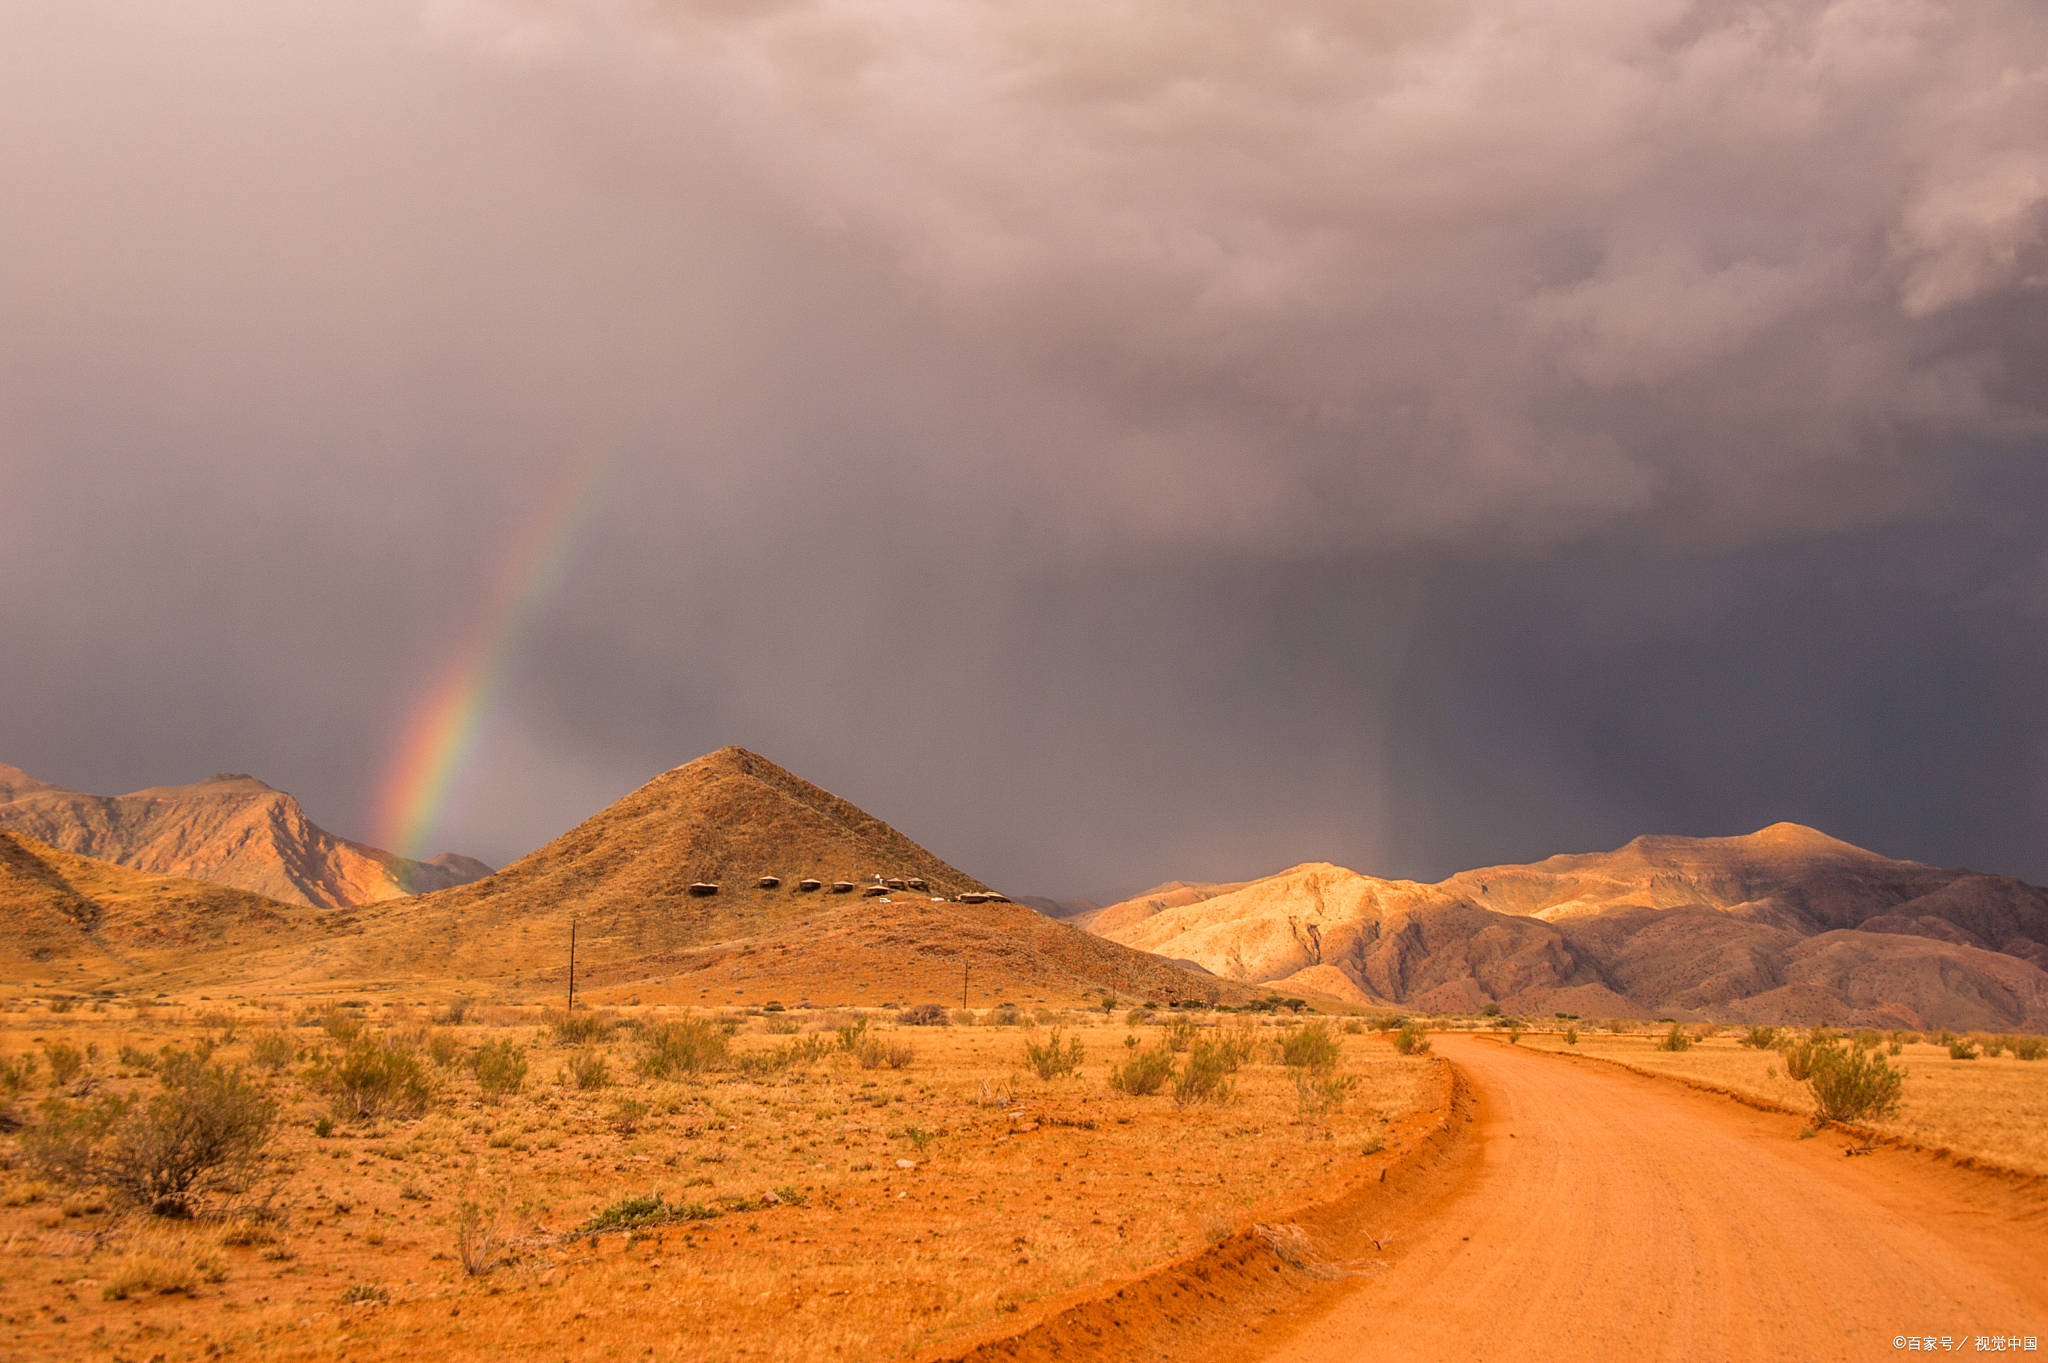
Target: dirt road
{"x": 1613, "y": 1216}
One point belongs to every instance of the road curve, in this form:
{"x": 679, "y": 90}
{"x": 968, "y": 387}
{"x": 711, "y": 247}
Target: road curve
{"x": 1610, "y": 1215}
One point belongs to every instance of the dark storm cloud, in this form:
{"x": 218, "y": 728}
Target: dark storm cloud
{"x": 1110, "y": 442}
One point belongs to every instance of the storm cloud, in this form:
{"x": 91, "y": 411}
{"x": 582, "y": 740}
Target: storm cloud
{"x": 1110, "y": 442}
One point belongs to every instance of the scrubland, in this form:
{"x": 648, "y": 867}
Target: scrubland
{"x": 488, "y": 1181}
{"x": 1957, "y": 1094}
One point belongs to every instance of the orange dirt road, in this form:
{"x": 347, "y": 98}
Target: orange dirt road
{"x": 1609, "y": 1215}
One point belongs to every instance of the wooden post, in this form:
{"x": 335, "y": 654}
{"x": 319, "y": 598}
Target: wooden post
{"x": 963, "y": 986}
{"x": 572, "y": 967}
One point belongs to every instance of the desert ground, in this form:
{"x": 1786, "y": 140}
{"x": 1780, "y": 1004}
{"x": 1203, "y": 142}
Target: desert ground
{"x": 882, "y": 1191}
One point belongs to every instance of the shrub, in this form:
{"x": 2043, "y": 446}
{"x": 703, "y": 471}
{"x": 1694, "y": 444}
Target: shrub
{"x": 1994, "y": 1046}
{"x": 1571, "y": 1036}
{"x": 455, "y": 1012}
{"x": 627, "y": 1114}
{"x": 206, "y": 1129}
{"x": 500, "y": 1067}
{"x": 1181, "y": 1034}
{"x": 1514, "y": 1034}
{"x": 66, "y": 1063}
{"x": 372, "y": 1079}
{"x": 1962, "y": 1048}
{"x": 1411, "y": 1039}
{"x": 161, "y": 1265}
{"x": 688, "y": 1046}
{"x": 800, "y": 1054}
{"x": 478, "y": 1242}
{"x": 1144, "y": 1071}
{"x": 1311, "y": 1046}
{"x": 1760, "y": 1038}
{"x": 578, "y": 1029}
{"x": 442, "y": 1048}
{"x": 588, "y": 1069}
{"x": 1319, "y": 1091}
{"x": 2028, "y": 1047}
{"x": 851, "y": 1034}
{"x": 1204, "y": 1077}
{"x": 1050, "y": 1059}
{"x": 20, "y": 1073}
{"x": 342, "y": 1025}
{"x": 1799, "y": 1057}
{"x": 1849, "y": 1084}
{"x": 874, "y": 1053}
{"x": 272, "y": 1049}
{"x": 1675, "y": 1040}
{"x": 924, "y": 1015}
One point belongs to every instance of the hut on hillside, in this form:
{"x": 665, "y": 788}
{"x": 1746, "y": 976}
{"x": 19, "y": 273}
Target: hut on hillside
{"x": 768, "y": 882}
{"x": 703, "y": 888}
{"x": 808, "y": 885}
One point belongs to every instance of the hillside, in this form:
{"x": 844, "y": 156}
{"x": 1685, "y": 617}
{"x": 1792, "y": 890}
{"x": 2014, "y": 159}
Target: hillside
{"x": 625, "y": 877}
{"x": 1785, "y": 924}
{"x": 76, "y": 921}
{"x": 231, "y": 830}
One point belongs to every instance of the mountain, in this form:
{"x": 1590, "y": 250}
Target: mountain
{"x": 1782, "y": 925}
{"x": 83, "y": 922}
{"x": 1076, "y": 911}
{"x": 635, "y": 880}
{"x": 231, "y": 830}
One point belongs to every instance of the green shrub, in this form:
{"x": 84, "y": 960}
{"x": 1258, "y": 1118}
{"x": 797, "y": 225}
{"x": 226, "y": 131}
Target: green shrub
{"x": 1237, "y": 1044}
{"x": 1849, "y": 1084}
{"x": 851, "y": 1034}
{"x": 799, "y": 1054}
{"x": 342, "y": 1025}
{"x": 1311, "y": 1046}
{"x": 442, "y": 1048}
{"x": 1204, "y": 1076}
{"x": 1760, "y": 1038}
{"x": 1675, "y": 1040}
{"x": 500, "y": 1067}
{"x": 1571, "y": 1036}
{"x": 1799, "y": 1058}
{"x": 373, "y": 1078}
{"x": 1144, "y": 1070}
{"x": 2028, "y": 1047}
{"x": 1320, "y": 1091}
{"x": 1181, "y": 1033}
{"x": 874, "y": 1053}
{"x": 1051, "y": 1059}
{"x": 1962, "y": 1048}
{"x": 1994, "y": 1046}
{"x": 1411, "y": 1039}
{"x": 205, "y": 1130}
{"x": 688, "y": 1046}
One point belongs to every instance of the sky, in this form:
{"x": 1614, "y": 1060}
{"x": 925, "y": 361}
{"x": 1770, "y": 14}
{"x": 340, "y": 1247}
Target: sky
{"x": 1111, "y": 443}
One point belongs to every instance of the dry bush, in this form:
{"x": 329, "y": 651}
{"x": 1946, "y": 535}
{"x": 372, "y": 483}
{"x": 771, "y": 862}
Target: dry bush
{"x": 442, "y": 1048}
{"x": 1311, "y": 1046}
{"x": 1760, "y": 1038}
{"x": 1205, "y": 1075}
{"x": 2028, "y": 1047}
{"x": 579, "y": 1029}
{"x": 1181, "y": 1033}
{"x": 1411, "y": 1039}
{"x": 688, "y": 1046}
{"x": 372, "y": 1078}
{"x": 207, "y": 1129}
{"x": 1051, "y": 1059}
{"x": 589, "y": 1069}
{"x": 873, "y": 1053}
{"x": 797, "y": 1054}
{"x": 1144, "y": 1070}
{"x": 160, "y": 1262}
{"x": 1962, "y": 1048}
{"x": 455, "y": 1012}
{"x": 1677, "y": 1039}
{"x": 1571, "y": 1036}
{"x": 479, "y": 1238}
{"x": 66, "y": 1062}
{"x": 500, "y": 1068}
{"x": 1799, "y": 1058}
{"x": 342, "y": 1025}
{"x": 924, "y": 1015}
{"x": 272, "y": 1049}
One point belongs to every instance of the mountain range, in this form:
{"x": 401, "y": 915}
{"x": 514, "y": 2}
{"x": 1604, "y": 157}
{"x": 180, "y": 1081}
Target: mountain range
{"x": 1782, "y": 925}
{"x": 229, "y": 830}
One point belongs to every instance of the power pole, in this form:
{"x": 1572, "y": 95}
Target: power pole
{"x": 572, "y": 967}
{"x": 963, "y": 986}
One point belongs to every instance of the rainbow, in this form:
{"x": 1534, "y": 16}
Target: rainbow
{"x": 442, "y": 732}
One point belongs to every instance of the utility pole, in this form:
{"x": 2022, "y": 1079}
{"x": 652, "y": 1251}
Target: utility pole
{"x": 963, "y": 986}
{"x": 572, "y": 967}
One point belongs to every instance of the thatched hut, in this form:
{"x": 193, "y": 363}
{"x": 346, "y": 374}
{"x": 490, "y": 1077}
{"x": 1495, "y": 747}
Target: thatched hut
{"x": 809, "y": 885}
{"x": 768, "y": 882}
{"x": 895, "y": 883}
{"x": 916, "y": 883}
{"x": 974, "y": 897}
{"x": 703, "y": 889}
{"x": 870, "y": 891}
{"x": 842, "y": 887}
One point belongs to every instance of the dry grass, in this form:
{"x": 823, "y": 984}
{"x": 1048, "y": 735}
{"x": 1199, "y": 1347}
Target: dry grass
{"x": 1989, "y": 1108}
{"x": 849, "y": 1212}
